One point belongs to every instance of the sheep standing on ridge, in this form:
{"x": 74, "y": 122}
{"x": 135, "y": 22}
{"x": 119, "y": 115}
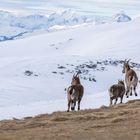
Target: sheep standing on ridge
{"x": 117, "y": 91}
{"x": 75, "y": 93}
{"x": 131, "y": 79}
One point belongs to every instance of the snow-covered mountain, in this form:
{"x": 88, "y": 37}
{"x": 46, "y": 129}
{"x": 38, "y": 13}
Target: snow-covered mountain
{"x": 121, "y": 17}
{"x": 13, "y": 26}
{"x": 34, "y": 71}
{"x": 16, "y": 26}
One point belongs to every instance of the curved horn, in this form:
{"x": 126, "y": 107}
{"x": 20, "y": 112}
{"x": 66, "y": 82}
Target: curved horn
{"x": 125, "y": 60}
{"x": 128, "y": 60}
{"x": 73, "y": 75}
{"x": 119, "y": 80}
{"x": 78, "y": 73}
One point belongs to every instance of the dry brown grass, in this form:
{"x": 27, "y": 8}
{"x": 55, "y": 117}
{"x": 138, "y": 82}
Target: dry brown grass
{"x": 120, "y": 122}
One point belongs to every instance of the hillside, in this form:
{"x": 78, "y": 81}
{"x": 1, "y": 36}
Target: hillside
{"x": 53, "y": 58}
{"x": 109, "y": 123}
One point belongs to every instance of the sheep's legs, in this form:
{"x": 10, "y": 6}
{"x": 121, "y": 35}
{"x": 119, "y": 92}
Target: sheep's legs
{"x": 135, "y": 91}
{"x": 116, "y": 101}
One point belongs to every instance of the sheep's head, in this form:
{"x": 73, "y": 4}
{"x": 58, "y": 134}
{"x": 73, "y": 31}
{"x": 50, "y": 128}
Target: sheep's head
{"x": 126, "y": 66}
{"x": 76, "y": 79}
{"x": 121, "y": 82}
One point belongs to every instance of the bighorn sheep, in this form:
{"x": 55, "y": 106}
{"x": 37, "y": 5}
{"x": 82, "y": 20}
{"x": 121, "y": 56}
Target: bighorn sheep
{"x": 75, "y": 93}
{"x": 116, "y": 91}
{"x": 131, "y": 79}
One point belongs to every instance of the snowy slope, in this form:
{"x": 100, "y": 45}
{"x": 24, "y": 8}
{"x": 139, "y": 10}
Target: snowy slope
{"x": 54, "y": 57}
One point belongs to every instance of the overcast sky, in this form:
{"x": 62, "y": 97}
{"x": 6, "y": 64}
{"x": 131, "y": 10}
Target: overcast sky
{"x": 95, "y": 7}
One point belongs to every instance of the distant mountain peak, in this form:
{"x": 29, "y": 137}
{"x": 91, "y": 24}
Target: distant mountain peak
{"x": 121, "y": 17}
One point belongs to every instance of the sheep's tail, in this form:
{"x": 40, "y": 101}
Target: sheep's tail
{"x": 70, "y": 89}
{"x": 131, "y": 78}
